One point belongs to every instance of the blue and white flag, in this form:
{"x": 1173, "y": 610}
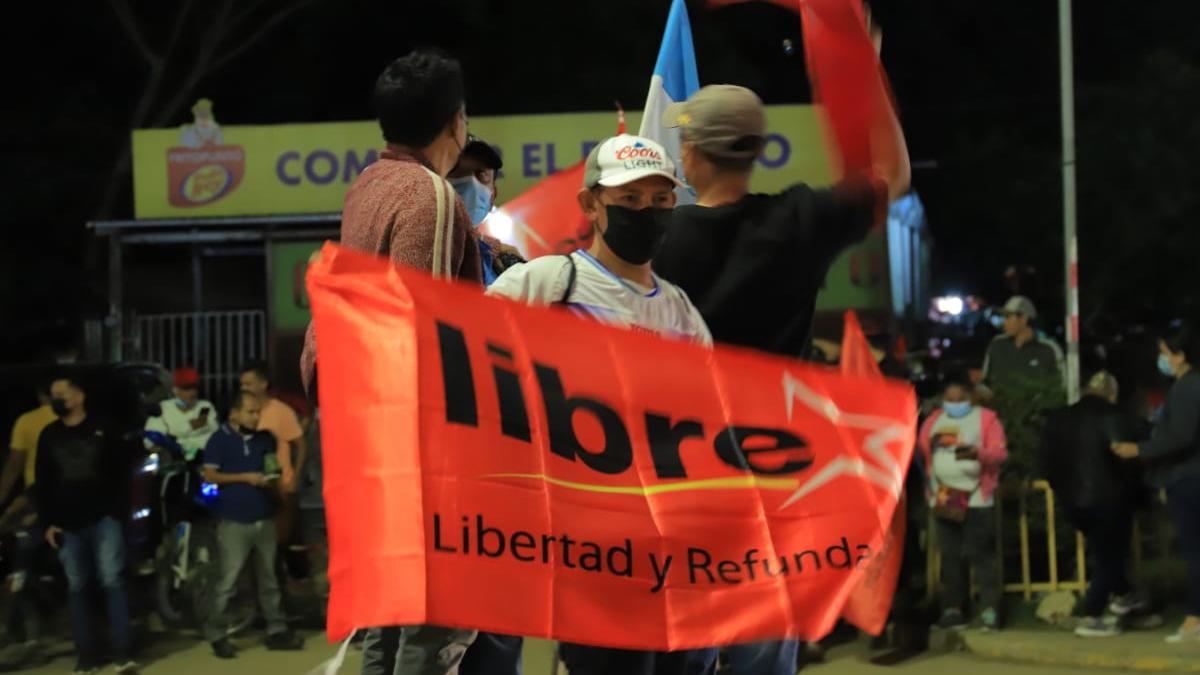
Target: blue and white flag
{"x": 674, "y": 80}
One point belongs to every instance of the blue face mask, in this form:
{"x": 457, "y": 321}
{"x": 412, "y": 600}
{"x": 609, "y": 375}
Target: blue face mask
{"x": 475, "y": 195}
{"x": 181, "y": 404}
{"x": 1164, "y": 365}
{"x": 957, "y": 410}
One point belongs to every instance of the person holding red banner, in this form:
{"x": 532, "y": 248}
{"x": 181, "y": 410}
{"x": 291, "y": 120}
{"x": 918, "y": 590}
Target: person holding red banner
{"x": 628, "y": 195}
{"x": 745, "y": 257}
{"x": 628, "y": 192}
{"x": 754, "y": 263}
{"x": 474, "y": 179}
{"x": 401, "y": 207}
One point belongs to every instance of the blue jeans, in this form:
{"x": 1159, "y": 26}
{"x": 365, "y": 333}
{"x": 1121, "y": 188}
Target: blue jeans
{"x": 764, "y": 658}
{"x": 24, "y": 606}
{"x": 98, "y": 550}
{"x": 414, "y": 650}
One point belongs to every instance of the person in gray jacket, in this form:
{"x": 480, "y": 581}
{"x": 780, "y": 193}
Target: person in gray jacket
{"x": 1172, "y": 457}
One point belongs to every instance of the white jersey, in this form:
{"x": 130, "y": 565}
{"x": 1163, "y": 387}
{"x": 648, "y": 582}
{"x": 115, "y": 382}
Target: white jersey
{"x": 600, "y": 294}
{"x": 174, "y": 421}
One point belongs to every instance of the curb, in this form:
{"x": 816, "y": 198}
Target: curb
{"x": 1078, "y": 653}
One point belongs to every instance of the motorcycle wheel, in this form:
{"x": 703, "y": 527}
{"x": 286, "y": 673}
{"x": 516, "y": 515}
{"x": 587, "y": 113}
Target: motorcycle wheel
{"x": 186, "y": 603}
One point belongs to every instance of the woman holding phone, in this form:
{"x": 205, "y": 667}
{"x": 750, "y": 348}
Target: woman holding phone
{"x": 963, "y": 446}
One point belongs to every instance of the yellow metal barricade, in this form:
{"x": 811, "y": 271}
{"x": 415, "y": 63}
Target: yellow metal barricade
{"x": 1027, "y": 586}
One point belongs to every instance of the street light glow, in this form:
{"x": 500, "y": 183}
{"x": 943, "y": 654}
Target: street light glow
{"x": 950, "y": 304}
{"x": 500, "y": 225}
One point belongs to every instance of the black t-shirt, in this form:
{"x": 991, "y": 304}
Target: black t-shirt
{"x": 753, "y": 268}
{"x": 82, "y": 475}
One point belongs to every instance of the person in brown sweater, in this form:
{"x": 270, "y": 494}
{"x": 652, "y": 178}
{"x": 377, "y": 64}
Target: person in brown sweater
{"x": 403, "y": 208}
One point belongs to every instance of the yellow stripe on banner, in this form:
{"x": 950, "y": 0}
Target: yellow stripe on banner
{"x": 735, "y": 483}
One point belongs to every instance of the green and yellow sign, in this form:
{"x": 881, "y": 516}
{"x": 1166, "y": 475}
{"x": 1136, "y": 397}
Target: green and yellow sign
{"x": 203, "y": 169}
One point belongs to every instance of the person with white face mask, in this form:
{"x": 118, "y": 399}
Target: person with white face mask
{"x": 1172, "y": 456}
{"x": 963, "y": 446}
{"x": 474, "y": 179}
{"x": 186, "y": 417}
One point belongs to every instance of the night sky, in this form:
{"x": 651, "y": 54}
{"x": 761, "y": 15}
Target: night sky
{"x": 977, "y": 83}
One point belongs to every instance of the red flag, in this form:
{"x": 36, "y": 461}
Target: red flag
{"x": 869, "y": 603}
{"x": 547, "y": 219}
{"x": 518, "y": 470}
{"x": 857, "y": 358}
{"x": 847, "y": 78}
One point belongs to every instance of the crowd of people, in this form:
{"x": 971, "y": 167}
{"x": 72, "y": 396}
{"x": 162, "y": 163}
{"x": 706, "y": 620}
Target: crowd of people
{"x": 717, "y": 269}
{"x": 72, "y": 472}
{"x": 733, "y": 267}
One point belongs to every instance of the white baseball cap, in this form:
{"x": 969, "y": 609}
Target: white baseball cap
{"x": 623, "y": 159}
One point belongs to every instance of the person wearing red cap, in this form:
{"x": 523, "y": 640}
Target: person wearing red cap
{"x": 189, "y": 419}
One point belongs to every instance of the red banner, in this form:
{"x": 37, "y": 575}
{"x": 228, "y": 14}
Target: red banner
{"x": 522, "y": 471}
{"x": 870, "y": 603}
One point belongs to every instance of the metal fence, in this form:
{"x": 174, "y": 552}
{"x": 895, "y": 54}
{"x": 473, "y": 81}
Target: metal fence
{"x": 215, "y": 343}
{"x": 1027, "y": 586}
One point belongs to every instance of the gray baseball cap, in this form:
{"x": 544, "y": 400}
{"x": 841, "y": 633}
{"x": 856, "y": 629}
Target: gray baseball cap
{"x": 1019, "y": 304}
{"x": 723, "y": 120}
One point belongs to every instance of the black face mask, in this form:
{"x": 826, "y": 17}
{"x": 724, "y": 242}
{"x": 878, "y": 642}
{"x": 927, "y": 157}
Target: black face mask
{"x": 246, "y": 431}
{"x": 636, "y": 236}
{"x": 59, "y": 407}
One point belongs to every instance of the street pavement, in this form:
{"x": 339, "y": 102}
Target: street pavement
{"x": 183, "y": 656}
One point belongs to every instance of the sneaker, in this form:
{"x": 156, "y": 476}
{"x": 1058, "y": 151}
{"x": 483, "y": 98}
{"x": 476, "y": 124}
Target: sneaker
{"x": 286, "y": 641}
{"x": 1185, "y": 636}
{"x": 224, "y": 649}
{"x": 990, "y": 619}
{"x": 1097, "y": 627}
{"x": 127, "y": 666}
{"x": 84, "y": 667}
{"x": 952, "y": 619}
{"x": 1130, "y": 603}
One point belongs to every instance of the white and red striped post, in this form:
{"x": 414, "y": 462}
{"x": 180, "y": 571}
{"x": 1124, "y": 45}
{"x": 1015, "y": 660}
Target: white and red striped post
{"x": 1073, "y": 375}
{"x": 1070, "y": 242}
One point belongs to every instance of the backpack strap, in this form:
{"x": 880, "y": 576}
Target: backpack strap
{"x": 570, "y": 281}
{"x": 442, "y": 226}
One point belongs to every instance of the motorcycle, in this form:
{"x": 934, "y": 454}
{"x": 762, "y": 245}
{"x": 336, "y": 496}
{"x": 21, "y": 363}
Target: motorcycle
{"x": 186, "y": 567}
